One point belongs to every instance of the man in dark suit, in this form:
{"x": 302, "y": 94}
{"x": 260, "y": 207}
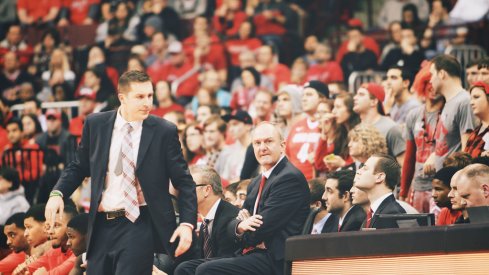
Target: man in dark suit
{"x": 276, "y": 207}
{"x": 216, "y": 215}
{"x": 339, "y": 202}
{"x": 319, "y": 220}
{"x": 130, "y": 157}
{"x": 378, "y": 178}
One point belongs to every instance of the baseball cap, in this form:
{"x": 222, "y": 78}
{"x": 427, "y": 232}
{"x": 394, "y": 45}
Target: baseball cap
{"x": 87, "y": 93}
{"x": 378, "y": 92}
{"x": 175, "y": 47}
{"x": 319, "y": 86}
{"x": 53, "y": 113}
{"x": 239, "y": 115}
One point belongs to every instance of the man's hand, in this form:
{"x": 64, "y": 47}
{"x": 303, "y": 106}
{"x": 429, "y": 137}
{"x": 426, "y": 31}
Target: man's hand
{"x": 156, "y": 271}
{"x": 429, "y": 165}
{"x": 249, "y": 224}
{"x": 185, "y": 234}
{"x": 243, "y": 214}
{"x": 41, "y": 271}
{"x": 54, "y": 206}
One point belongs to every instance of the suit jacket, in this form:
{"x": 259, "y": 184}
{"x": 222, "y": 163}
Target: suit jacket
{"x": 354, "y": 219}
{"x": 388, "y": 206}
{"x": 331, "y": 224}
{"x": 154, "y": 168}
{"x": 223, "y": 245}
{"x": 284, "y": 206}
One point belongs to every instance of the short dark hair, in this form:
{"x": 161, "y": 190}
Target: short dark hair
{"x": 406, "y": 74}
{"x": 445, "y": 174}
{"x": 17, "y": 219}
{"x": 209, "y": 176}
{"x": 12, "y": 175}
{"x": 36, "y": 212}
{"x": 232, "y": 187}
{"x": 70, "y": 211}
{"x": 345, "y": 180}
{"x": 449, "y": 64}
{"x": 316, "y": 186}
{"x": 390, "y": 167}
{"x": 79, "y": 223}
{"x": 472, "y": 63}
{"x": 38, "y": 102}
{"x": 221, "y": 124}
{"x": 132, "y": 77}
{"x": 15, "y": 120}
{"x": 483, "y": 63}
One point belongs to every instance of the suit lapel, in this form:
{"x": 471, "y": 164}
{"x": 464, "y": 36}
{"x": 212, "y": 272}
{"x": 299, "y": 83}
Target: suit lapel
{"x": 270, "y": 179}
{"x": 146, "y": 137}
{"x": 379, "y": 210}
{"x": 105, "y": 141}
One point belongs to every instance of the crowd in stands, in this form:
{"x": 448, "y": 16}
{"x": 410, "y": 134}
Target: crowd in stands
{"x": 412, "y": 141}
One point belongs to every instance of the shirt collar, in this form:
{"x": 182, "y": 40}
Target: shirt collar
{"x": 375, "y": 205}
{"x": 212, "y": 212}
{"x": 267, "y": 173}
{"x": 120, "y": 122}
{"x": 342, "y": 218}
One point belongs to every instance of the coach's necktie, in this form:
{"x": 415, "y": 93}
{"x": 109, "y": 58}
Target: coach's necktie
{"x": 131, "y": 204}
{"x": 207, "y": 247}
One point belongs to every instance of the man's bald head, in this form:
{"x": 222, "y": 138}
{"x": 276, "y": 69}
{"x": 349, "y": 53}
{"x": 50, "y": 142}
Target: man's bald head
{"x": 473, "y": 185}
{"x": 268, "y": 144}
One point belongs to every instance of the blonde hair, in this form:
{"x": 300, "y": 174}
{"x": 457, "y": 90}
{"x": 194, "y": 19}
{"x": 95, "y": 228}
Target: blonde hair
{"x": 373, "y": 141}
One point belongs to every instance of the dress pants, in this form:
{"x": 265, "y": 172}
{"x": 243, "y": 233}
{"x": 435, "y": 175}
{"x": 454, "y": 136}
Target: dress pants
{"x": 121, "y": 247}
{"x": 256, "y": 263}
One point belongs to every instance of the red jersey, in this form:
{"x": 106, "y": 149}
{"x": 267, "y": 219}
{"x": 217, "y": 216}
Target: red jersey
{"x": 301, "y": 143}
{"x": 9, "y": 263}
{"x": 268, "y": 26}
{"x": 79, "y": 9}
{"x": 171, "y": 73}
{"x": 448, "y": 216}
{"x": 160, "y": 112}
{"x": 221, "y": 24}
{"x": 32, "y": 165}
{"x": 55, "y": 261}
{"x": 278, "y": 73}
{"x": 329, "y": 72}
{"x": 38, "y": 8}
{"x": 76, "y": 126}
{"x": 237, "y": 46}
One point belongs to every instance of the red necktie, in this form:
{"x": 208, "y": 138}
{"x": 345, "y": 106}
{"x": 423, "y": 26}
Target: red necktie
{"x": 369, "y": 217}
{"x": 258, "y": 197}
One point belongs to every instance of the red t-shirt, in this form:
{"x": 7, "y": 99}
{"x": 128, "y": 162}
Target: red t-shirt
{"x": 171, "y": 73}
{"x": 278, "y": 74}
{"x": 448, "y": 216}
{"x": 78, "y": 9}
{"x": 368, "y": 42}
{"x": 303, "y": 141}
{"x": 267, "y": 26}
{"x": 55, "y": 261}
{"x": 236, "y": 46}
{"x": 38, "y": 8}
{"x": 76, "y": 126}
{"x": 324, "y": 149}
{"x": 221, "y": 26}
{"x": 328, "y": 73}
{"x": 9, "y": 263}
{"x": 160, "y": 112}
{"x": 32, "y": 163}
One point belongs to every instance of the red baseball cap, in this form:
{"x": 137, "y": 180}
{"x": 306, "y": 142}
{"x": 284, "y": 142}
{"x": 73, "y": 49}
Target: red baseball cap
{"x": 87, "y": 93}
{"x": 53, "y": 113}
{"x": 482, "y": 85}
{"x": 378, "y": 92}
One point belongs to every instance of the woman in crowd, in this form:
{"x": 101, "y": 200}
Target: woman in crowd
{"x": 479, "y": 101}
{"x": 59, "y": 74}
{"x": 364, "y": 141}
{"x": 193, "y": 140}
{"x": 31, "y": 128}
{"x": 242, "y": 98}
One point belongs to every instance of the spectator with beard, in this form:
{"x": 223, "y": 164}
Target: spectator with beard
{"x": 320, "y": 219}
{"x": 440, "y": 189}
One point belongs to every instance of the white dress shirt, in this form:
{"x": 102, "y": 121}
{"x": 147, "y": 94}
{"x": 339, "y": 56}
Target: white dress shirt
{"x": 211, "y": 216}
{"x": 113, "y": 195}
{"x": 375, "y": 205}
{"x": 266, "y": 174}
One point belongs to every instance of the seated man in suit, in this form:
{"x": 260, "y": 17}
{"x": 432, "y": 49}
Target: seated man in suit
{"x": 378, "y": 178}
{"x": 339, "y": 202}
{"x": 473, "y": 185}
{"x": 320, "y": 220}
{"x": 216, "y": 215}
{"x": 276, "y": 208}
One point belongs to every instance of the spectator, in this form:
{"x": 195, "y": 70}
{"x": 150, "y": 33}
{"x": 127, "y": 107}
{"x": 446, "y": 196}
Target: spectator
{"x": 241, "y": 193}
{"x": 94, "y": 81}
{"x": 60, "y": 259}
{"x": 273, "y": 18}
{"x": 483, "y": 67}
{"x": 208, "y": 55}
{"x": 190, "y": 10}
{"x": 339, "y": 202}
{"x": 332, "y": 152}
{"x": 32, "y": 128}
{"x": 229, "y": 193}
{"x": 364, "y": 142}
{"x": 50, "y": 41}
{"x": 243, "y": 40}
{"x": 164, "y": 100}
{"x": 298, "y": 72}
{"x": 28, "y": 164}
{"x": 228, "y": 18}
{"x": 88, "y": 105}
{"x": 368, "y": 105}
{"x": 440, "y": 189}
{"x": 304, "y": 135}
{"x": 32, "y": 13}
{"x": 289, "y": 107}
{"x": 12, "y": 198}
{"x": 479, "y": 101}
{"x": 408, "y": 55}
{"x": 357, "y": 57}
{"x": 170, "y": 19}
{"x": 247, "y": 59}
{"x": 123, "y": 24}
{"x": 14, "y": 42}
{"x": 214, "y": 139}
{"x": 456, "y": 120}
{"x": 14, "y": 231}
{"x": 206, "y": 111}
{"x": 11, "y": 79}
{"x": 325, "y": 69}
{"x": 97, "y": 60}
{"x": 458, "y": 159}
{"x": 55, "y": 136}
{"x": 9, "y": 10}
{"x": 473, "y": 185}
{"x": 33, "y": 106}
{"x": 231, "y": 159}
{"x": 471, "y": 73}
{"x": 216, "y": 217}
{"x": 420, "y": 133}
{"x": 76, "y": 232}
{"x": 394, "y": 32}
{"x": 269, "y": 66}
{"x": 78, "y": 12}
{"x": 439, "y": 13}
{"x": 456, "y": 200}
{"x": 310, "y": 44}
{"x": 158, "y": 54}
{"x": 357, "y": 42}
{"x": 211, "y": 82}
{"x": 241, "y": 98}
{"x": 359, "y": 198}
{"x": 378, "y": 178}
{"x": 412, "y": 19}
{"x": 193, "y": 143}
{"x": 390, "y": 11}
{"x": 59, "y": 73}
{"x": 262, "y": 107}
{"x": 135, "y": 63}
{"x": 399, "y": 101}
{"x": 320, "y": 219}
